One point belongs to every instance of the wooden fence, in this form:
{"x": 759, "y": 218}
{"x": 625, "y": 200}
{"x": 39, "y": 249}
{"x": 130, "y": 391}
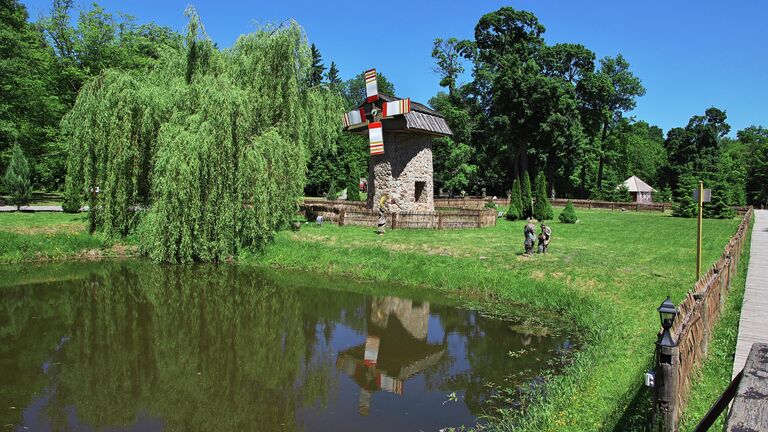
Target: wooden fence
{"x": 479, "y": 202}
{"x": 439, "y": 219}
{"x": 692, "y": 328}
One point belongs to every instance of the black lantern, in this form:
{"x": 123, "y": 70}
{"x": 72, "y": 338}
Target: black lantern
{"x": 667, "y": 313}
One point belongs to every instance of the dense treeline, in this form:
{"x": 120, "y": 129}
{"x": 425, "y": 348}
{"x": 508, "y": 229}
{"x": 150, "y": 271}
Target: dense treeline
{"x": 529, "y": 107}
{"x": 533, "y": 107}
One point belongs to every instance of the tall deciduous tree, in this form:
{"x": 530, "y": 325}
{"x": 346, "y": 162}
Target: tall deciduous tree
{"x": 30, "y": 108}
{"x": 214, "y": 142}
{"x": 606, "y": 95}
{"x": 448, "y": 61}
{"x": 755, "y": 143}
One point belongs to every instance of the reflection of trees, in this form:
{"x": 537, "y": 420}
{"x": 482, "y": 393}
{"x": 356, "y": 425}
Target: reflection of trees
{"x": 205, "y": 348}
{"x": 228, "y": 348}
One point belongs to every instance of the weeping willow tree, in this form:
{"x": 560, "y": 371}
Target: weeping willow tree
{"x": 212, "y": 144}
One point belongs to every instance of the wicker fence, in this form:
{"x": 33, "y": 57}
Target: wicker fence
{"x": 345, "y": 213}
{"x": 692, "y": 328}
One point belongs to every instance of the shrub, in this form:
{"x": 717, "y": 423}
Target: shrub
{"x": 542, "y": 208}
{"x": 568, "y": 215}
{"x": 491, "y": 205}
{"x": 513, "y": 213}
{"x": 16, "y": 179}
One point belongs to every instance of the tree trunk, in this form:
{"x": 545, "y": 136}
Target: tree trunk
{"x": 600, "y": 161}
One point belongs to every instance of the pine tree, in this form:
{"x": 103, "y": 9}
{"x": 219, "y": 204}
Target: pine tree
{"x": 353, "y": 188}
{"x": 16, "y": 179}
{"x": 568, "y": 215}
{"x": 542, "y": 209}
{"x": 685, "y": 206}
{"x": 332, "y": 76}
{"x": 527, "y": 196}
{"x": 516, "y": 201}
{"x": 317, "y": 68}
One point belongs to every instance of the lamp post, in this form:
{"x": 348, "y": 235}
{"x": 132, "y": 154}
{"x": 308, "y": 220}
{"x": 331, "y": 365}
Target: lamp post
{"x": 667, "y": 314}
{"x": 667, "y": 359}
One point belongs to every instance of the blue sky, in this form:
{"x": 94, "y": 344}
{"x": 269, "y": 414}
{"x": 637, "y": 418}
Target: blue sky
{"x": 689, "y": 54}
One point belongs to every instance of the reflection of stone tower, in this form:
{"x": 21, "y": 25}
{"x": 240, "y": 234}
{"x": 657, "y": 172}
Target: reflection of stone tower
{"x": 395, "y": 349}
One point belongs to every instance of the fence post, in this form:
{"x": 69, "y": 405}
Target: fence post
{"x": 439, "y": 221}
{"x": 702, "y": 298}
{"x": 342, "y": 214}
{"x": 665, "y": 389}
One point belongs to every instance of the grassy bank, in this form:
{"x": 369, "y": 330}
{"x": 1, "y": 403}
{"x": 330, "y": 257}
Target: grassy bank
{"x": 52, "y": 236}
{"x": 608, "y": 273}
{"x": 715, "y": 373}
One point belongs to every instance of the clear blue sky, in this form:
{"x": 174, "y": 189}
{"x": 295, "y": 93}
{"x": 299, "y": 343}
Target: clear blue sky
{"x": 689, "y": 54}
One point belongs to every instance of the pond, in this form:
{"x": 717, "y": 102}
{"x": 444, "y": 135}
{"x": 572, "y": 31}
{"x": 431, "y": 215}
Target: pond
{"x": 129, "y": 345}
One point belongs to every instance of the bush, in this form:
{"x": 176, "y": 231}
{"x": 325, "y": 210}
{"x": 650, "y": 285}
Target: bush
{"x": 568, "y": 215}
{"x": 513, "y": 213}
{"x": 491, "y": 205}
{"x": 72, "y": 199}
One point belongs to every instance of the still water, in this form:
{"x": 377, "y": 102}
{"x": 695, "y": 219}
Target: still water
{"x": 131, "y": 346}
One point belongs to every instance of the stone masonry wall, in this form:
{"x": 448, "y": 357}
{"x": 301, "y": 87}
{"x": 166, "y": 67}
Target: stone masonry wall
{"x": 407, "y": 159}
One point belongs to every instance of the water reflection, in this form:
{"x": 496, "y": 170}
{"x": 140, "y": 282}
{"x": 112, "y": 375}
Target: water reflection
{"x": 134, "y": 346}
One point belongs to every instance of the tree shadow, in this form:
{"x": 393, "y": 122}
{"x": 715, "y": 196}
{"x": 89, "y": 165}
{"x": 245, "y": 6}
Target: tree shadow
{"x": 637, "y": 416}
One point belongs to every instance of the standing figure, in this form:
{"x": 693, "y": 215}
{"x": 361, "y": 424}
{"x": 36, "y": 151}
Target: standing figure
{"x": 546, "y": 233}
{"x": 382, "y": 222}
{"x": 530, "y": 236}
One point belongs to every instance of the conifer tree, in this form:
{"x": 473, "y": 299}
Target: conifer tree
{"x": 333, "y": 75}
{"x": 16, "y": 179}
{"x": 527, "y": 196}
{"x": 317, "y": 68}
{"x": 568, "y": 215}
{"x": 515, "y": 211}
{"x": 542, "y": 208}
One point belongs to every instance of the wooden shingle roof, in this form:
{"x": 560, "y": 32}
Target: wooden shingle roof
{"x": 420, "y": 119}
{"x": 634, "y": 184}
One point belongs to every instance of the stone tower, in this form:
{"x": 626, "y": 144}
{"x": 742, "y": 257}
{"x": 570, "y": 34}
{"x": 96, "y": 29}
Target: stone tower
{"x": 404, "y": 171}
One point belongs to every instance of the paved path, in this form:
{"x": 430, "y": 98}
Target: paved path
{"x": 753, "y": 325}
{"x": 31, "y": 208}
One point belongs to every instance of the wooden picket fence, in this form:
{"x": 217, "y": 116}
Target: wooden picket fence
{"x": 343, "y": 213}
{"x": 700, "y": 311}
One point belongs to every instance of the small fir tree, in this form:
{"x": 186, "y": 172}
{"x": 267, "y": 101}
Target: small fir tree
{"x": 516, "y": 199}
{"x": 568, "y": 215}
{"x": 719, "y": 207}
{"x": 16, "y": 179}
{"x": 621, "y": 194}
{"x": 333, "y": 191}
{"x": 542, "y": 208}
{"x": 353, "y": 189}
{"x": 527, "y": 196}
{"x": 513, "y": 212}
{"x": 684, "y": 205}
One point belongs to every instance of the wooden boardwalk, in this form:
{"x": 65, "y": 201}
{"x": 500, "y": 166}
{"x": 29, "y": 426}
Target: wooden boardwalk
{"x": 753, "y": 324}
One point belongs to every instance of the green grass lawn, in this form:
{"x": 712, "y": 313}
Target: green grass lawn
{"x": 51, "y": 236}
{"x": 608, "y": 273}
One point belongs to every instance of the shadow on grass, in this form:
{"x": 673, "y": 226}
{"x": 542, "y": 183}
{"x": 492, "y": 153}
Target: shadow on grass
{"x": 637, "y": 417}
